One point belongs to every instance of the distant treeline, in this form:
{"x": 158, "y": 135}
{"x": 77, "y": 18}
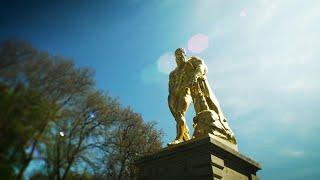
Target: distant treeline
{"x": 56, "y": 124}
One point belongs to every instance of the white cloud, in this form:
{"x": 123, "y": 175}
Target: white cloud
{"x": 310, "y": 17}
{"x": 299, "y": 86}
{"x": 264, "y": 68}
{"x": 293, "y": 153}
{"x": 265, "y": 71}
{"x": 287, "y": 117}
{"x": 267, "y": 13}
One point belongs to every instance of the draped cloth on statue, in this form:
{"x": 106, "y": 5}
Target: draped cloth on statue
{"x": 209, "y": 117}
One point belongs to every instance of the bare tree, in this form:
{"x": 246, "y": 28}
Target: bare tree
{"x": 77, "y": 131}
{"x": 56, "y": 79}
{"x": 128, "y": 139}
{"x": 72, "y": 136}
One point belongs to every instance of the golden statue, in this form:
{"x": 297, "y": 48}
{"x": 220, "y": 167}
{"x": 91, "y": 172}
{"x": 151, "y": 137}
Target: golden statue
{"x": 188, "y": 83}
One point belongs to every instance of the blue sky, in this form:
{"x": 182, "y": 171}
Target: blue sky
{"x": 263, "y": 60}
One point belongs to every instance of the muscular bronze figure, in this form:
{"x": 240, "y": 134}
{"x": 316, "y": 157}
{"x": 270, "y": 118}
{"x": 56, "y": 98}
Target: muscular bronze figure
{"x": 188, "y": 83}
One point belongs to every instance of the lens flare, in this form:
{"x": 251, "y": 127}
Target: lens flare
{"x": 198, "y": 43}
{"x": 243, "y": 13}
{"x": 166, "y": 63}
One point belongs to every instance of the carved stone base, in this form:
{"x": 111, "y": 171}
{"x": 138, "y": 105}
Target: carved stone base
{"x": 199, "y": 159}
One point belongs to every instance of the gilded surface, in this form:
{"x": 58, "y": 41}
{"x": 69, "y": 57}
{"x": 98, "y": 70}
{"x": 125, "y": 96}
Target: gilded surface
{"x": 188, "y": 83}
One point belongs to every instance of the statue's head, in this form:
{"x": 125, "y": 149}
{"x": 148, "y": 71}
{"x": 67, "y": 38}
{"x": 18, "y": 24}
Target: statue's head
{"x": 180, "y": 54}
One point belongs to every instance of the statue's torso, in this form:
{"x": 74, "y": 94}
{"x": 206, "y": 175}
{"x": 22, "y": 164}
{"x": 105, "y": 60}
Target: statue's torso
{"x": 181, "y": 78}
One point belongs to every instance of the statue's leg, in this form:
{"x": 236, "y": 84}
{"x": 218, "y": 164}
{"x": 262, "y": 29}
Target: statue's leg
{"x": 182, "y": 106}
{"x": 182, "y": 128}
{"x": 172, "y": 102}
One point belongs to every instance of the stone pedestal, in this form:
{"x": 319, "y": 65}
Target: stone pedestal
{"x": 201, "y": 159}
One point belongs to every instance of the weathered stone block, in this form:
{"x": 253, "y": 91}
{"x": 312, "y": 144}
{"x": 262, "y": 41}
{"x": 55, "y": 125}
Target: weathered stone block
{"x": 200, "y": 159}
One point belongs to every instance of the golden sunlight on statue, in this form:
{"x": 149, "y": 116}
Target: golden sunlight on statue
{"x": 188, "y": 83}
